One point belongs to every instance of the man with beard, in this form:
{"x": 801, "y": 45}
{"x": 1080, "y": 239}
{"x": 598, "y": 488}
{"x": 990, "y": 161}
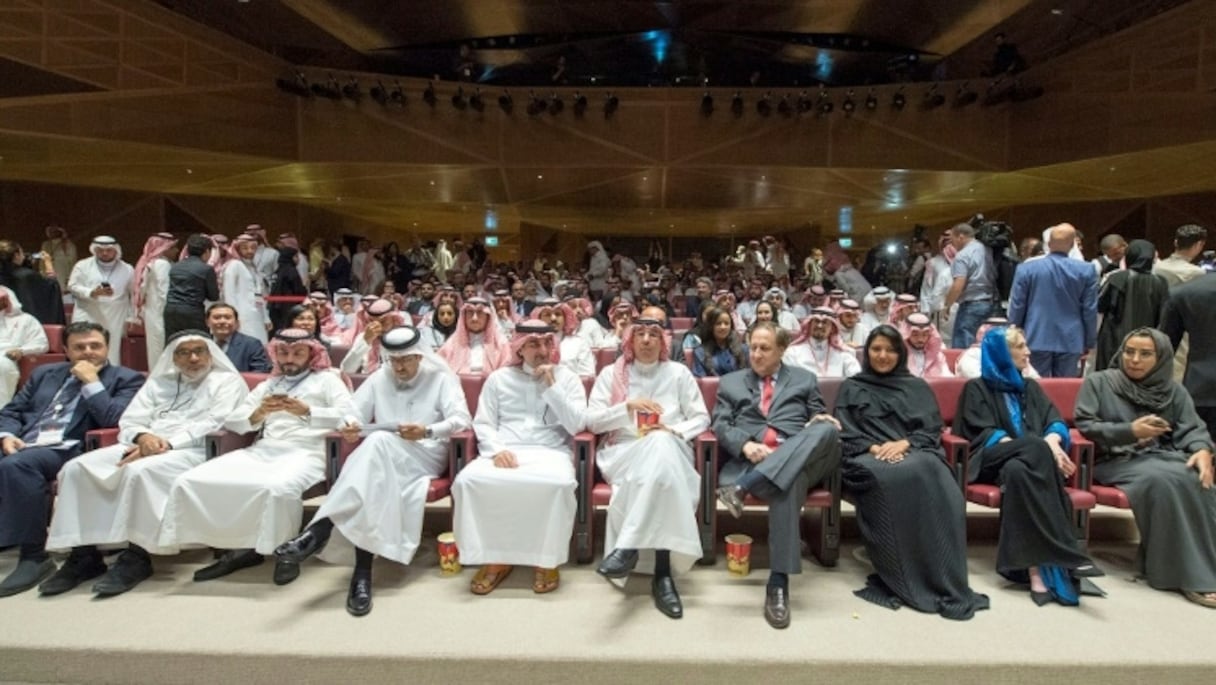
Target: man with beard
{"x": 42, "y": 428}
{"x": 116, "y": 495}
{"x": 249, "y": 500}
{"x": 364, "y": 353}
{"x": 102, "y": 286}
{"x": 477, "y": 345}
{"x": 819, "y": 349}
{"x": 925, "y": 356}
{"x": 151, "y": 290}
{"x": 411, "y": 407}
{"x": 244, "y": 288}
{"x": 20, "y": 335}
{"x": 852, "y": 332}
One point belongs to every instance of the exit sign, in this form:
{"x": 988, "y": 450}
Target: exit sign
{"x": 491, "y": 241}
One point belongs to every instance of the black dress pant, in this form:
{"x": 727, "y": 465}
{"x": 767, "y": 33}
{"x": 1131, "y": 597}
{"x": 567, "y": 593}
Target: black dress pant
{"x": 25, "y": 479}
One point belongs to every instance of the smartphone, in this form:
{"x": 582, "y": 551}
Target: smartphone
{"x": 106, "y": 285}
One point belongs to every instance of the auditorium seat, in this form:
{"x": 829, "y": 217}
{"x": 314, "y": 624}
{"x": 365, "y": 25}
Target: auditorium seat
{"x": 53, "y": 355}
{"x": 134, "y": 351}
{"x": 681, "y": 323}
{"x": 952, "y": 355}
{"x": 604, "y": 357}
{"x": 337, "y": 353}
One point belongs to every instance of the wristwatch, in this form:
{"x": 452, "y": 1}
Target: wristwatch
{"x": 428, "y": 433}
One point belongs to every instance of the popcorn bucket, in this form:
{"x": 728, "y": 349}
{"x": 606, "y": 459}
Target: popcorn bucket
{"x": 738, "y": 554}
{"x": 449, "y": 556}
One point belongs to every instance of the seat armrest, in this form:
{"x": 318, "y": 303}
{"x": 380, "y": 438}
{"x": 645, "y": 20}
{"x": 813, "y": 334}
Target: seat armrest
{"x": 1082, "y": 453}
{"x": 224, "y": 441}
{"x": 958, "y": 453}
{"x": 461, "y": 450}
{"x": 337, "y": 451}
{"x": 584, "y": 475}
{"x": 100, "y": 437}
{"x": 705, "y": 446}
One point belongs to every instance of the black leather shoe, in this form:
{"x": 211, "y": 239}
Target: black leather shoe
{"x": 618, "y": 564}
{"x": 732, "y": 497}
{"x": 129, "y": 570}
{"x": 359, "y": 598}
{"x": 301, "y": 546}
{"x": 285, "y": 571}
{"x": 77, "y": 569}
{"x": 666, "y": 599}
{"x": 230, "y": 562}
{"x": 28, "y": 574}
{"x": 777, "y": 607}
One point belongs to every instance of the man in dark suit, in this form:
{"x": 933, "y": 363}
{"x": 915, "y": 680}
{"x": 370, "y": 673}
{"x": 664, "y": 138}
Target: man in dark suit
{"x": 192, "y": 282}
{"x": 778, "y": 440}
{"x": 246, "y": 352}
{"x": 42, "y": 428}
{"x": 1189, "y": 310}
{"x": 519, "y": 305}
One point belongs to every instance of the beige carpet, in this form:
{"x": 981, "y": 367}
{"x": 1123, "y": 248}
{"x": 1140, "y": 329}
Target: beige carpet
{"x": 427, "y": 628}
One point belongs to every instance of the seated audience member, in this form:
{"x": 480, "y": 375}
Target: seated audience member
{"x": 1153, "y": 446}
{"x": 852, "y": 332}
{"x": 725, "y": 299}
{"x": 819, "y": 349}
{"x": 42, "y": 428}
{"x": 20, "y": 335}
{"x": 589, "y": 329}
{"x": 477, "y": 345}
{"x": 1019, "y": 442}
{"x": 245, "y": 352}
{"x": 345, "y": 317}
{"x": 364, "y": 354}
{"x": 249, "y": 500}
{"x": 304, "y": 317}
{"x": 575, "y": 354}
{"x": 649, "y": 464}
{"x": 443, "y": 324}
{"x": 877, "y": 306}
{"x": 702, "y": 327}
{"x": 718, "y": 349}
{"x": 926, "y": 358}
{"x": 785, "y": 318}
{"x": 505, "y": 312}
{"x": 836, "y": 297}
{"x": 515, "y": 504}
{"x": 777, "y": 441}
{"x": 376, "y": 505}
{"x": 116, "y": 495}
{"x": 909, "y": 508}
{"x": 905, "y": 304}
{"x": 815, "y": 296}
{"x": 622, "y": 315}
{"x": 764, "y": 312}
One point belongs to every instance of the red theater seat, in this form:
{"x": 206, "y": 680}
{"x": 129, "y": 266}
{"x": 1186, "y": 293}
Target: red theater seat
{"x": 1063, "y": 394}
{"x": 53, "y": 355}
{"x": 681, "y": 323}
{"x": 952, "y": 355}
{"x": 605, "y": 357}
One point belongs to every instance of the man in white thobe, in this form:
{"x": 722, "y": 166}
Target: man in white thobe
{"x": 820, "y": 350}
{"x": 477, "y": 345}
{"x": 515, "y": 504}
{"x": 102, "y": 286}
{"x": 20, "y": 335}
{"x": 655, "y": 487}
{"x": 364, "y": 353}
{"x": 408, "y": 411}
{"x": 877, "y": 307}
{"x": 151, "y": 290}
{"x": 243, "y": 286}
{"x": 249, "y": 500}
{"x": 852, "y": 332}
{"x": 926, "y": 358}
{"x": 116, "y": 495}
{"x": 265, "y": 258}
{"x": 575, "y": 353}
{"x": 783, "y": 316}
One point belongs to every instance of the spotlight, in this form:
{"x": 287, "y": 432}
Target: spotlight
{"x": 580, "y": 104}
{"x": 329, "y": 89}
{"x": 933, "y": 99}
{"x": 351, "y": 90}
{"x": 396, "y": 96}
{"x": 535, "y": 105}
{"x": 804, "y": 103}
{"x": 784, "y": 108}
{"x": 764, "y": 105}
{"x": 428, "y": 95}
{"x": 707, "y": 104}
{"x": 965, "y": 96}
{"x": 505, "y": 103}
{"x": 899, "y": 99}
{"x": 736, "y": 104}
{"x": 824, "y": 106}
{"x": 458, "y": 100}
{"x": 556, "y": 105}
{"x": 297, "y": 86}
{"x": 476, "y": 102}
{"x": 848, "y": 105}
{"x": 611, "y": 103}
{"x": 871, "y": 101}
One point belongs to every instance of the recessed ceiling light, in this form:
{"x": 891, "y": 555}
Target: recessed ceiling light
{"x": 1057, "y": 11}
{"x": 432, "y": 183}
{"x": 540, "y": 176}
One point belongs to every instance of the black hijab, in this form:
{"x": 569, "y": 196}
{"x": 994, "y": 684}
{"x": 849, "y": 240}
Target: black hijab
{"x": 1156, "y": 390}
{"x": 1140, "y": 255}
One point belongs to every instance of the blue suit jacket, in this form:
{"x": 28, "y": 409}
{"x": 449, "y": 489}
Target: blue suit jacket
{"x": 99, "y": 411}
{"x": 247, "y": 354}
{"x": 1055, "y": 299}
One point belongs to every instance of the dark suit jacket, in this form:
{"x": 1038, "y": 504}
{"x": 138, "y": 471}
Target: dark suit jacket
{"x": 99, "y": 411}
{"x": 247, "y": 354}
{"x": 415, "y": 307}
{"x": 1189, "y": 310}
{"x": 737, "y": 417}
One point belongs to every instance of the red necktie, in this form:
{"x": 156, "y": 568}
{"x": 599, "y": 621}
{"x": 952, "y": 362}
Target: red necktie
{"x": 766, "y": 401}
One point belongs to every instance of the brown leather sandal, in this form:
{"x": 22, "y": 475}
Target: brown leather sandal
{"x": 489, "y": 577}
{"x": 545, "y": 580}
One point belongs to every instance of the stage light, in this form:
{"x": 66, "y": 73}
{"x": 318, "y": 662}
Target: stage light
{"x": 476, "y": 102}
{"x": 329, "y": 89}
{"x": 871, "y": 101}
{"x": 580, "y": 104}
{"x": 611, "y": 103}
{"x": 848, "y": 105}
{"x": 965, "y": 96}
{"x": 804, "y": 103}
{"x": 824, "y": 106}
{"x": 396, "y": 96}
{"x": 351, "y": 90}
{"x": 297, "y": 86}
{"x": 899, "y": 99}
{"x": 458, "y": 100}
{"x": 505, "y": 103}
{"x": 933, "y": 99}
{"x": 707, "y": 104}
{"x": 428, "y": 95}
{"x": 764, "y": 105}
{"x": 784, "y": 107}
{"x": 736, "y": 104}
{"x": 536, "y": 106}
{"x": 556, "y": 105}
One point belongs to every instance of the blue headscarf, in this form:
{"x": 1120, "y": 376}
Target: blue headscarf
{"x": 998, "y": 371}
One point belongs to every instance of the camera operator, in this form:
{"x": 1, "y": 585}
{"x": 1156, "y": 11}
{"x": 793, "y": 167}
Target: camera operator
{"x": 32, "y": 279}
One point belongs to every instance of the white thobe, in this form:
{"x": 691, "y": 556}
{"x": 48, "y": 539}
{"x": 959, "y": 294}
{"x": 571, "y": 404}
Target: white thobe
{"x": 655, "y": 487}
{"x": 245, "y": 290}
{"x": 380, "y": 496}
{"x": 872, "y": 320}
{"x": 787, "y": 320}
{"x": 577, "y": 356}
{"x": 156, "y": 291}
{"x": 855, "y": 336}
{"x": 521, "y": 515}
{"x": 591, "y": 332}
{"x": 597, "y": 271}
{"x": 359, "y": 357}
{"x": 102, "y": 503}
{"x": 250, "y": 498}
{"x": 746, "y": 311}
{"x": 23, "y": 332}
{"x": 822, "y": 359}
{"x": 266, "y": 261}
{"x": 110, "y": 311}
{"x": 918, "y": 361}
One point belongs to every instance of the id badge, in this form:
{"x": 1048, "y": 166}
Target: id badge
{"x": 50, "y": 436}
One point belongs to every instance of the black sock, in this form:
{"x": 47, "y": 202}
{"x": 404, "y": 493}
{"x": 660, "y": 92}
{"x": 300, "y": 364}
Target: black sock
{"x": 322, "y": 528}
{"x": 778, "y": 579}
{"x": 36, "y": 551}
{"x": 749, "y": 480}
{"x": 662, "y": 563}
{"x": 139, "y": 551}
{"x": 363, "y": 561}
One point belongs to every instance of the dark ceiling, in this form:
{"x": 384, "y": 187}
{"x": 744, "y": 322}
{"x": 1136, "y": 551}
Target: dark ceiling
{"x": 731, "y": 43}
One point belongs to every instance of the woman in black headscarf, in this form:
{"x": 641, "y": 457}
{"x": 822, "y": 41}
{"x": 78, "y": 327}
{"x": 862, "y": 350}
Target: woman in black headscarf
{"x": 286, "y": 282}
{"x": 1153, "y": 446}
{"x": 909, "y": 507}
{"x": 1018, "y": 441}
{"x": 1130, "y": 299}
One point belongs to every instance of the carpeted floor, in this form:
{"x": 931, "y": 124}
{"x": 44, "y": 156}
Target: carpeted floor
{"x": 428, "y": 628}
